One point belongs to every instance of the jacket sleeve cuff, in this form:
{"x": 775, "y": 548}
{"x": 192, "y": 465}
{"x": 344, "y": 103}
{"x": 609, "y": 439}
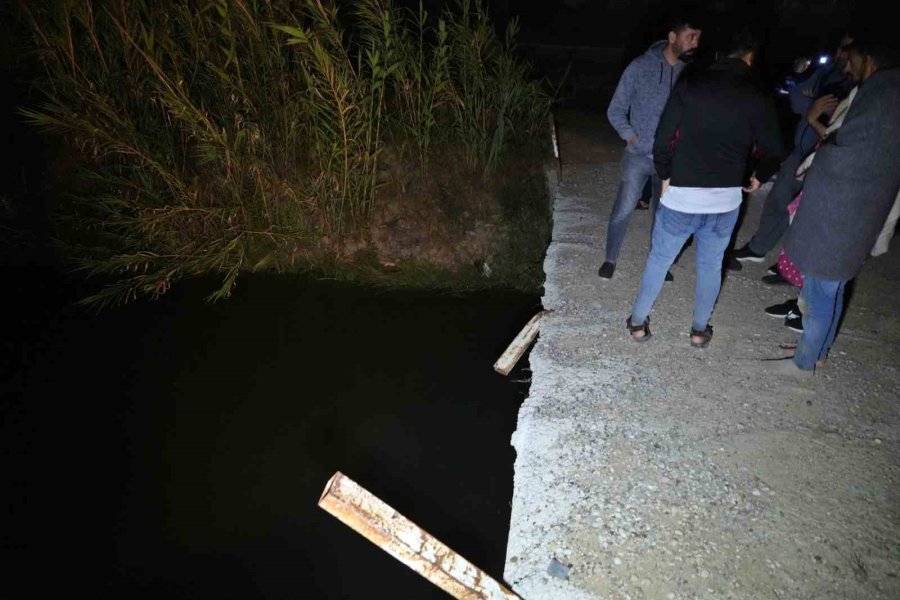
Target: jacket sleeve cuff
{"x": 664, "y": 170}
{"x": 766, "y": 168}
{"x": 627, "y": 133}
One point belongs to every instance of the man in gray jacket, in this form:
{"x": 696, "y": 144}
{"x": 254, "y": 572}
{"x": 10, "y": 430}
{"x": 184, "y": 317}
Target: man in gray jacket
{"x": 847, "y": 195}
{"x": 634, "y": 112}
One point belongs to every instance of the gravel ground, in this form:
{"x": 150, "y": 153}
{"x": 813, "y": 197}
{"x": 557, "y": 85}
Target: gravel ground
{"x": 659, "y": 470}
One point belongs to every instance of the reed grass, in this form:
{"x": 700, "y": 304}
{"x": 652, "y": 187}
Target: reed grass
{"x": 229, "y": 136}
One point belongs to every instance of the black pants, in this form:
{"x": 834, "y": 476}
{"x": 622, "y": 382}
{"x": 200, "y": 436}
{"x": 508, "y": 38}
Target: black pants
{"x": 775, "y": 220}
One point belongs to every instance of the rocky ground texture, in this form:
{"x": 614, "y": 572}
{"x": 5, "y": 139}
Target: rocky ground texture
{"x": 659, "y": 470}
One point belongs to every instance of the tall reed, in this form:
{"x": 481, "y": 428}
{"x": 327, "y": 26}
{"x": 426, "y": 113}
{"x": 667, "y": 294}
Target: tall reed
{"x": 232, "y": 135}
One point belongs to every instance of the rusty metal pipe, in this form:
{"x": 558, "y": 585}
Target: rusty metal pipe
{"x": 404, "y": 540}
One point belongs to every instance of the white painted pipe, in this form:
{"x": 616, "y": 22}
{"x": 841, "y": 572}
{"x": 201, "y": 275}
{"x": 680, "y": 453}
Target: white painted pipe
{"x": 519, "y": 345}
{"x": 404, "y": 540}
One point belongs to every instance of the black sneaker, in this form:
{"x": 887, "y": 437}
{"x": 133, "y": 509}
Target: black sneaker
{"x": 794, "y": 324}
{"x": 745, "y": 254}
{"x": 732, "y": 264}
{"x": 773, "y": 270}
{"x": 669, "y": 276}
{"x": 776, "y": 279}
{"x": 606, "y": 270}
{"x": 784, "y": 310}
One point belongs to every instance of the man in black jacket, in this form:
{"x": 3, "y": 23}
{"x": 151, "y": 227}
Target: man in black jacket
{"x": 705, "y": 137}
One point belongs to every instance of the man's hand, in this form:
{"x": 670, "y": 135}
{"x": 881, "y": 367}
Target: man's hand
{"x": 665, "y": 186}
{"x": 821, "y": 106}
{"x": 633, "y": 140}
{"x": 754, "y": 185}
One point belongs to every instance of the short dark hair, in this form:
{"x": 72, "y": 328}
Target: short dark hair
{"x": 679, "y": 23}
{"x": 741, "y": 43}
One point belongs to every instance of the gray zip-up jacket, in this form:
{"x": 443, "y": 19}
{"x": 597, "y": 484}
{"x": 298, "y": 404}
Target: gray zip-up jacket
{"x": 640, "y": 97}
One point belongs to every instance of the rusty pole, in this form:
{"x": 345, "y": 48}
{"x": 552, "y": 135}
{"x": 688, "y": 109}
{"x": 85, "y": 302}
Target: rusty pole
{"x": 404, "y": 540}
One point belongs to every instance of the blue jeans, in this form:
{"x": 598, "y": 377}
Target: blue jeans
{"x": 711, "y": 232}
{"x": 824, "y": 301}
{"x": 635, "y": 172}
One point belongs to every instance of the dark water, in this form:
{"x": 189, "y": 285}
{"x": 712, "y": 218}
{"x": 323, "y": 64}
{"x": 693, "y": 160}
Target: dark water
{"x": 177, "y": 449}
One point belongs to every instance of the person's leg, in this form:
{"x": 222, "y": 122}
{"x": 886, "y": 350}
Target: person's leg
{"x": 655, "y": 192}
{"x": 671, "y": 230}
{"x": 774, "y": 220}
{"x": 635, "y": 171}
{"x": 824, "y": 304}
{"x": 712, "y": 238}
{"x": 646, "y": 196}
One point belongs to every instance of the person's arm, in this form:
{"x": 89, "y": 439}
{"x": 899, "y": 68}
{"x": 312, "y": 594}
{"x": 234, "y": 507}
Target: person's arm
{"x": 804, "y": 93}
{"x": 664, "y": 141}
{"x": 821, "y": 106}
{"x": 768, "y": 140}
{"x": 617, "y": 113}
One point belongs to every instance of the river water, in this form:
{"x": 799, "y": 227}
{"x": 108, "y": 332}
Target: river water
{"x": 177, "y": 449}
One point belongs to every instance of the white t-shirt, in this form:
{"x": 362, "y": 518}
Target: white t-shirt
{"x": 697, "y": 200}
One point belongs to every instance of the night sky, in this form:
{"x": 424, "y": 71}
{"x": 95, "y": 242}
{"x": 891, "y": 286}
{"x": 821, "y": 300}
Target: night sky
{"x": 788, "y": 27}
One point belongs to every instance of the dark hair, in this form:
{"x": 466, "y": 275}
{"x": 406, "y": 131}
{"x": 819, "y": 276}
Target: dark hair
{"x": 680, "y": 22}
{"x": 741, "y": 43}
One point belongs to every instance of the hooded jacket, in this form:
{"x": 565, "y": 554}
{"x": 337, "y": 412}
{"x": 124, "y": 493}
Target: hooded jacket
{"x": 711, "y": 125}
{"x": 640, "y": 97}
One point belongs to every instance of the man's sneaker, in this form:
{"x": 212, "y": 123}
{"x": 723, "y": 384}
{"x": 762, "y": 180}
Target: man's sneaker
{"x": 641, "y": 205}
{"x": 745, "y": 254}
{"x": 606, "y": 270}
{"x": 773, "y": 270}
{"x": 732, "y": 264}
{"x": 794, "y": 324}
{"x": 776, "y": 279}
{"x": 784, "y": 310}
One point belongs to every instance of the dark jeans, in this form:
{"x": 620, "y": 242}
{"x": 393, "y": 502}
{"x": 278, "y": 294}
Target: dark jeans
{"x": 775, "y": 220}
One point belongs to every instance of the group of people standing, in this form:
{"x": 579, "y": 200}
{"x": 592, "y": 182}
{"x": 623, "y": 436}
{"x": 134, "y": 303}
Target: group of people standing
{"x": 705, "y": 138}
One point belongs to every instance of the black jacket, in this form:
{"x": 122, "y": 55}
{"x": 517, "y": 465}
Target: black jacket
{"x": 710, "y": 126}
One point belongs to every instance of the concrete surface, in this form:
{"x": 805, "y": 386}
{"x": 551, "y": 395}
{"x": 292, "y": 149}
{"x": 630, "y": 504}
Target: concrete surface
{"x": 659, "y": 470}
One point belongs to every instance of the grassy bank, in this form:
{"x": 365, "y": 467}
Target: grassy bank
{"x": 359, "y": 139}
